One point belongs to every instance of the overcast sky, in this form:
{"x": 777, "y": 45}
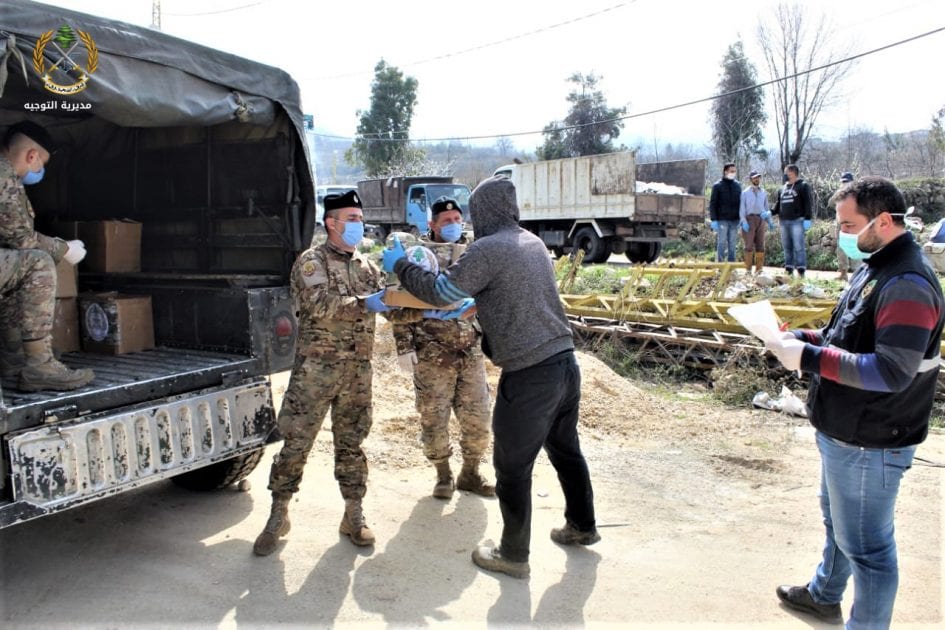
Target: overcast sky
{"x": 650, "y": 53}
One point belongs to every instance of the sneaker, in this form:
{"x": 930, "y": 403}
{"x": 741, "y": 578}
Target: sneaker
{"x": 490, "y": 559}
{"x": 571, "y": 535}
{"x": 799, "y": 598}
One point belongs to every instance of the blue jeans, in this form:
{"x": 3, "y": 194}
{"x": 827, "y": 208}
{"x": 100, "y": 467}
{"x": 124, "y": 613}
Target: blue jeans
{"x": 858, "y": 490}
{"x": 727, "y": 238}
{"x": 794, "y": 244}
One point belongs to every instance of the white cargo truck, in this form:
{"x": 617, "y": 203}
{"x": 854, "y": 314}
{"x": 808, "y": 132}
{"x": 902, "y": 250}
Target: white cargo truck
{"x": 607, "y": 204}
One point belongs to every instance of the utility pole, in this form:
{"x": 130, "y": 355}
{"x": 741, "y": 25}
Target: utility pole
{"x": 156, "y": 14}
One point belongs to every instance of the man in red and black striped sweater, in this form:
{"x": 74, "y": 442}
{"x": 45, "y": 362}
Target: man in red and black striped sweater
{"x": 873, "y": 372}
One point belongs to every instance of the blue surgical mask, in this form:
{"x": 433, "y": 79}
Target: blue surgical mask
{"x": 353, "y": 233}
{"x": 451, "y": 232}
{"x": 848, "y": 243}
{"x": 32, "y": 177}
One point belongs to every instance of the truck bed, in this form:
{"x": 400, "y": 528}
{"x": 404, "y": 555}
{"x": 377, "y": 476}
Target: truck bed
{"x": 121, "y": 380}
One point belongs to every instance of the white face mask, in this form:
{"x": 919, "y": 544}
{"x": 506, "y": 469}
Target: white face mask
{"x": 730, "y": 175}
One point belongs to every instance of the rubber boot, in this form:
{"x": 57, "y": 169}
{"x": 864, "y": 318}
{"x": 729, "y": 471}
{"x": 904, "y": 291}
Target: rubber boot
{"x": 444, "y": 481}
{"x": 353, "y": 525}
{"x": 276, "y": 527}
{"x": 749, "y": 257}
{"x": 759, "y": 262}
{"x": 471, "y": 481}
{"x": 12, "y": 360}
{"x": 43, "y": 371}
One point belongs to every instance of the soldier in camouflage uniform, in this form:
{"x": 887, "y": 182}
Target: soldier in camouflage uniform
{"x": 25, "y": 351}
{"x": 449, "y": 373}
{"x": 332, "y": 369}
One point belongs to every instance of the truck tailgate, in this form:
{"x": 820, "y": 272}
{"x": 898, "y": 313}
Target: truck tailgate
{"x": 122, "y": 380}
{"x": 57, "y": 466}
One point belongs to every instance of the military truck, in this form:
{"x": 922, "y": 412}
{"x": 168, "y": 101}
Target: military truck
{"x": 207, "y": 151}
{"x": 404, "y": 203}
{"x": 607, "y": 204}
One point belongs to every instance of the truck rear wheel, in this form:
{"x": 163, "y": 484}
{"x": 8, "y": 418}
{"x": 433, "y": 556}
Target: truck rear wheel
{"x": 221, "y": 474}
{"x": 595, "y": 248}
{"x": 641, "y": 252}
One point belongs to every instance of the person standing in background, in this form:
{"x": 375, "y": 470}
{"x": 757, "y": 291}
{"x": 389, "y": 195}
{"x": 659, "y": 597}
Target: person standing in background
{"x": 753, "y": 215}
{"x": 723, "y": 213}
{"x": 795, "y": 209}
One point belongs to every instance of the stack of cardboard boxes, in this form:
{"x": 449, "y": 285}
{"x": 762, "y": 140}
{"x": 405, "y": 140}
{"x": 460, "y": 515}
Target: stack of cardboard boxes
{"x": 106, "y": 322}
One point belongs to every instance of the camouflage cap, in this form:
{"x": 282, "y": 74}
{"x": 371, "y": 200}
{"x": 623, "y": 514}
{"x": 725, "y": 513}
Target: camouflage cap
{"x": 32, "y": 131}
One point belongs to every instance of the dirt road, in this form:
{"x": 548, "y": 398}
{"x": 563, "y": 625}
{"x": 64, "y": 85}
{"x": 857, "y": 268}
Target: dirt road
{"x": 703, "y": 511}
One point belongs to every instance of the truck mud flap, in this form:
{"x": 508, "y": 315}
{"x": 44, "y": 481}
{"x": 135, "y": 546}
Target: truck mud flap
{"x": 59, "y": 466}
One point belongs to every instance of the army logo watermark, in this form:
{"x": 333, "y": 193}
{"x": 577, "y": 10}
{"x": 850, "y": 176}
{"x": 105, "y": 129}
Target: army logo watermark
{"x": 65, "y": 42}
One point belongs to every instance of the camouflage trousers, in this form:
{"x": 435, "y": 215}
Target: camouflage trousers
{"x": 27, "y": 292}
{"x": 444, "y": 381}
{"x": 315, "y": 386}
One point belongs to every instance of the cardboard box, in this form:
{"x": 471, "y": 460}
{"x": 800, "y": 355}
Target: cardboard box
{"x": 67, "y": 282}
{"x": 65, "y": 334}
{"x": 398, "y": 296}
{"x": 113, "y": 323}
{"x": 113, "y": 246}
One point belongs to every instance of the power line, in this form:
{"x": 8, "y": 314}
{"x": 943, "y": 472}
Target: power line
{"x": 483, "y": 46}
{"x": 217, "y": 12}
{"x": 652, "y": 111}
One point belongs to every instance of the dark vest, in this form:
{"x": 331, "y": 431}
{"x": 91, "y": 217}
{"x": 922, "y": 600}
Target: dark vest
{"x": 866, "y": 418}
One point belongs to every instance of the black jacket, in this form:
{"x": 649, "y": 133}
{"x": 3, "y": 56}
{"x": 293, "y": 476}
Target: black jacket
{"x": 725, "y": 200}
{"x": 869, "y": 418}
{"x": 795, "y": 202}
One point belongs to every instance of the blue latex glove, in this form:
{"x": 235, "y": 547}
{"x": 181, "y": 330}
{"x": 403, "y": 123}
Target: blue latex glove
{"x": 714, "y": 225}
{"x": 375, "y": 304}
{"x": 435, "y": 314}
{"x": 766, "y": 214}
{"x": 806, "y": 224}
{"x": 770, "y": 223}
{"x": 392, "y": 255}
{"x": 745, "y": 226}
{"x": 456, "y": 313}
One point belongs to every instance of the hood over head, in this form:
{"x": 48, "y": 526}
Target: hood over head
{"x": 493, "y": 206}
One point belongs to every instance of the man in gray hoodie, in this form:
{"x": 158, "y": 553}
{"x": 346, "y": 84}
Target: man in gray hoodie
{"x": 526, "y": 333}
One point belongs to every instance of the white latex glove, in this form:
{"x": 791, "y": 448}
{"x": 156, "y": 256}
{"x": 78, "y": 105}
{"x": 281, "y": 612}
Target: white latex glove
{"x": 407, "y": 361}
{"x": 787, "y": 335}
{"x": 788, "y": 352}
{"x": 75, "y": 253}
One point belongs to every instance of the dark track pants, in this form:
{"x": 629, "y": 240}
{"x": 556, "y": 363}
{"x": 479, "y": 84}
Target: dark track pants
{"x": 538, "y": 407}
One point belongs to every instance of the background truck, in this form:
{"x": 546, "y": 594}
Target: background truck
{"x": 403, "y": 203}
{"x": 207, "y": 151}
{"x": 592, "y": 203}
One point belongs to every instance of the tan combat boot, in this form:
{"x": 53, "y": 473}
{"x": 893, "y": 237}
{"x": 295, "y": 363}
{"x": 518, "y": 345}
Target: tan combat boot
{"x": 471, "y": 481}
{"x": 759, "y": 262}
{"x": 11, "y": 353}
{"x": 43, "y": 371}
{"x": 276, "y": 527}
{"x": 749, "y": 257}
{"x": 444, "y": 481}
{"x": 353, "y": 525}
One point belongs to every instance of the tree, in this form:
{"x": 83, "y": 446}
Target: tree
{"x": 792, "y": 44}
{"x": 738, "y": 115}
{"x": 590, "y": 126}
{"x": 384, "y": 130}
{"x": 936, "y": 142}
